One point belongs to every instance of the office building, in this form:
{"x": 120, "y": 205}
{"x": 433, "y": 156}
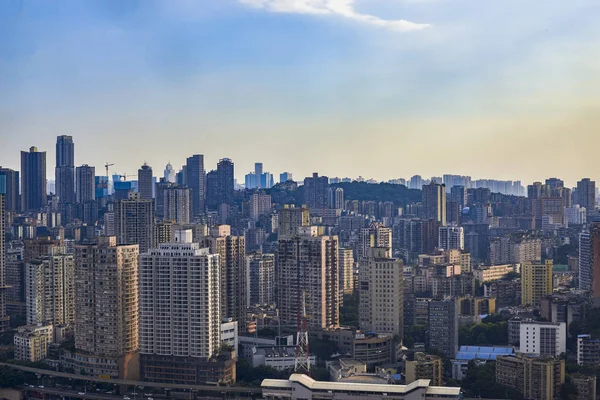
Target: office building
{"x": 424, "y": 366}
{"x": 86, "y": 184}
{"x": 4, "y": 319}
{"x": 588, "y": 350}
{"x": 381, "y": 292}
{"x": 65, "y": 169}
{"x": 434, "y": 202}
{"x": 536, "y": 282}
{"x": 261, "y": 279}
{"x": 335, "y": 198}
{"x": 308, "y": 269}
{"x": 346, "y": 261}
{"x": 285, "y": 176}
{"x": 31, "y": 342}
{"x": 543, "y": 338}
{"x": 258, "y": 172}
{"x": 586, "y": 194}
{"x": 451, "y": 237}
{"x": 169, "y": 174}
{"x": 196, "y": 180}
{"x": 180, "y": 323}
{"x": 442, "y": 316}
{"x": 225, "y": 181}
{"x": 536, "y": 378}
{"x": 134, "y": 222}
{"x": 106, "y": 322}
{"x": 50, "y": 288}
{"x": 303, "y": 387}
{"x": 12, "y": 193}
{"x": 315, "y": 191}
{"x": 376, "y": 235}
{"x": 260, "y": 204}
{"x": 145, "y": 182}
{"x": 33, "y": 179}
{"x": 291, "y": 219}
{"x": 458, "y": 194}
{"x": 176, "y": 204}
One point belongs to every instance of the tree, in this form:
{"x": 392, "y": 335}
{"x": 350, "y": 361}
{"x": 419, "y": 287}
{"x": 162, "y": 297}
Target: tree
{"x": 11, "y": 377}
{"x": 568, "y": 390}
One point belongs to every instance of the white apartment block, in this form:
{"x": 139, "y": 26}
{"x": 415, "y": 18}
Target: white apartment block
{"x": 451, "y": 237}
{"x": 494, "y": 272}
{"x": 229, "y": 333}
{"x": 576, "y": 215}
{"x": 543, "y": 338}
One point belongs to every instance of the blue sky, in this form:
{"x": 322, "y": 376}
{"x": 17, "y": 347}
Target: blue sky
{"x": 382, "y": 88}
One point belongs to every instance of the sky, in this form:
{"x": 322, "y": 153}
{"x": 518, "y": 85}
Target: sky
{"x": 380, "y": 88}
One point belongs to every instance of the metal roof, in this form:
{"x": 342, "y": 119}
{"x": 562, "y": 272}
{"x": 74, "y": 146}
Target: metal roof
{"x": 483, "y": 352}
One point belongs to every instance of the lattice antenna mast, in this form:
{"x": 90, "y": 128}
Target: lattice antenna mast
{"x": 302, "y": 364}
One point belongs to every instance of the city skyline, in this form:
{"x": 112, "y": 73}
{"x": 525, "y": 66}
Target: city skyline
{"x": 164, "y": 80}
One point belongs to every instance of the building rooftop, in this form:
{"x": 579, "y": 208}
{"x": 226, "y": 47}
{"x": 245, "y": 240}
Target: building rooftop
{"x": 483, "y": 352}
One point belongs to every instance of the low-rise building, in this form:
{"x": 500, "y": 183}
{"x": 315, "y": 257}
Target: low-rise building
{"x": 371, "y": 348}
{"x": 229, "y": 333}
{"x": 303, "y": 387}
{"x": 424, "y": 366}
{"x": 478, "y": 354}
{"x": 31, "y": 342}
{"x": 494, "y": 272}
{"x": 280, "y": 358}
{"x": 536, "y": 378}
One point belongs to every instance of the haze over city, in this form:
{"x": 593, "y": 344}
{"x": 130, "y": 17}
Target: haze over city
{"x": 382, "y": 89}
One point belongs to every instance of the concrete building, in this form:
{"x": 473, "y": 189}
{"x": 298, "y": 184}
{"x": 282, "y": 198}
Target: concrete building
{"x": 424, "y": 366}
{"x": 576, "y": 215}
{"x": 12, "y": 192}
{"x": 376, "y": 235}
{"x": 304, "y": 387}
{"x": 50, "y": 288}
{"x": 494, "y": 272}
{"x": 434, "y": 202}
{"x": 443, "y": 326}
{"x": 291, "y": 219}
{"x": 281, "y": 358}
{"x": 346, "y": 260}
{"x": 308, "y": 268}
{"x": 260, "y": 204}
{"x": 261, "y": 279}
{"x": 535, "y": 378}
{"x": 65, "y": 169}
{"x": 170, "y": 174}
{"x": 106, "y": 322}
{"x": 180, "y": 312}
{"x": 145, "y": 182}
{"x": 586, "y": 194}
{"x": 33, "y": 179}
{"x": 86, "y": 183}
{"x": 195, "y": 179}
{"x": 176, "y": 205}
{"x": 315, "y": 191}
{"x": 586, "y": 386}
{"x": 479, "y": 355}
{"x": 4, "y": 319}
{"x": 134, "y": 222}
{"x": 381, "y": 293}
{"x": 31, "y": 342}
{"x": 229, "y": 334}
{"x": 588, "y": 350}
{"x": 285, "y": 176}
{"x": 335, "y": 198}
{"x": 451, "y": 237}
{"x": 536, "y": 282}
{"x": 543, "y": 338}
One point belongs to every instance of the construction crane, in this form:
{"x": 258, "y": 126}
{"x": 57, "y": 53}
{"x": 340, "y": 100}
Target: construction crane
{"x": 302, "y": 362}
{"x": 106, "y": 166}
{"x": 124, "y": 176}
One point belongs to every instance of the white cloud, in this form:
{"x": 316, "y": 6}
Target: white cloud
{"x": 340, "y": 8}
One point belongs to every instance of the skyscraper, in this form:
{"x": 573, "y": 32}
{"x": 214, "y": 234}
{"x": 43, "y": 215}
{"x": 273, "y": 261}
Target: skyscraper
{"x": 179, "y": 322}
{"x": 261, "y": 285}
{"x": 106, "y": 322}
{"x": 86, "y": 183}
{"x": 4, "y": 320}
{"x": 225, "y": 181}
{"x": 451, "y": 237}
{"x": 12, "y": 195}
{"x": 536, "y": 282}
{"x": 285, "y": 176}
{"x": 381, "y": 293}
{"x": 308, "y": 267}
{"x": 586, "y": 194}
{"x": 258, "y": 173}
{"x": 335, "y": 198}
{"x": 145, "y": 182}
{"x": 315, "y": 191}
{"x": 170, "y": 175}
{"x": 176, "y": 205}
{"x": 434, "y": 202}
{"x": 33, "y": 179}
{"x": 458, "y": 194}
{"x": 196, "y": 181}
{"x": 65, "y": 169}
{"x": 442, "y": 318}
{"x": 376, "y": 235}
{"x": 134, "y": 222}
{"x": 291, "y": 218}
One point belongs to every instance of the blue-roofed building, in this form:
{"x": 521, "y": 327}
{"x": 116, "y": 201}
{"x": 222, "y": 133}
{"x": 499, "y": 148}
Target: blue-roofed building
{"x": 479, "y": 354}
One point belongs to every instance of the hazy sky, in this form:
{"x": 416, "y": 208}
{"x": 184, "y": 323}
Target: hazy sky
{"x": 505, "y": 89}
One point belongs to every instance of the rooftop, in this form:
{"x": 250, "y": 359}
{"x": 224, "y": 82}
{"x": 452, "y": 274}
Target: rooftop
{"x": 483, "y": 352}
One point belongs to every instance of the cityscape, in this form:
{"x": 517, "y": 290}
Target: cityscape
{"x": 299, "y": 199}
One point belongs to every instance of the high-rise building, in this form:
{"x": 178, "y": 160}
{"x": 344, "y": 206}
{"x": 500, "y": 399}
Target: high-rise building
{"x": 65, "y": 169}
{"x": 106, "y": 322}
{"x": 225, "y": 181}
{"x": 451, "y": 237}
{"x": 442, "y": 316}
{"x": 291, "y": 219}
{"x": 381, "y": 293}
{"x": 346, "y": 261}
{"x": 50, "y": 288}
{"x": 86, "y": 184}
{"x": 285, "y": 176}
{"x": 589, "y": 261}
{"x": 434, "y": 202}
{"x": 180, "y": 313}
{"x": 196, "y": 181}
{"x": 536, "y": 281}
{"x": 12, "y": 194}
{"x": 308, "y": 267}
{"x": 261, "y": 282}
{"x": 586, "y": 194}
{"x": 176, "y": 204}
{"x": 576, "y": 215}
{"x": 258, "y": 172}
{"x": 543, "y": 338}
{"x": 145, "y": 182}
{"x": 260, "y": 204}
{"x": 4, "y": 320}
{"x": 315, "y": 191}
{"x": 335, "y": 197}
{"x": 170, "y": 174}
{"x": 376, "y": 235}
{"x": 33, "y": 179}
{"x": 588, "y": 350}
{"x": 134, "y": 222}
{"x": 233, "y": 275}
{"x": 536, "y": 378}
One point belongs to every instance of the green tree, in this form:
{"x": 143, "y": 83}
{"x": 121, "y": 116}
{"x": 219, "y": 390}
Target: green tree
{"x": 10, "y": 378}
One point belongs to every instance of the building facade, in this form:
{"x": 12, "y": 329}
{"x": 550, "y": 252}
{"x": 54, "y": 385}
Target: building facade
{"x": 261, "y": 279}
{"x": 86, "y": 183}
{"x": 535, "y": 378}
{"x": 536, "y": 282}
{"x": 134, "y": 222}
{"x": 442, "y": 316}
{"x": 33, "y": 179}
{"x": 145, "y": 182}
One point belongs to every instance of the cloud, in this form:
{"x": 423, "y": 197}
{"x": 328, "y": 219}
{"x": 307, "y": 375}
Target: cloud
{"x": 339, "y": 8}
